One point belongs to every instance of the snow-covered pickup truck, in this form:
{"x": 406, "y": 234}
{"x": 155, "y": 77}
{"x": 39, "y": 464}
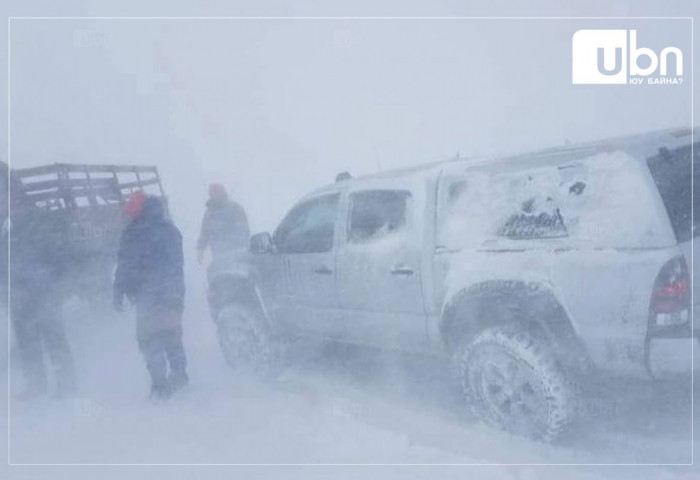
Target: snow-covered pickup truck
{"x": 526, "y": 269}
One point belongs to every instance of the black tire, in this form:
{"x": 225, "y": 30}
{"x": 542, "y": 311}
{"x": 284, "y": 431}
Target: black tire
{"x": 513, "y": 382}
{"x": 247, "y": 343}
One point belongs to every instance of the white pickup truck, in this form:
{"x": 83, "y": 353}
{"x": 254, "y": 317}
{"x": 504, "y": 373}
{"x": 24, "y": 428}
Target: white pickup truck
{"x": 526, "y": 270}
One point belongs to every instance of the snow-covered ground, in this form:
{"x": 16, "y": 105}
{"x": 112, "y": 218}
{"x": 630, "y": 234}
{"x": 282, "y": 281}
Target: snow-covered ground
{"x": 335, "y": 405}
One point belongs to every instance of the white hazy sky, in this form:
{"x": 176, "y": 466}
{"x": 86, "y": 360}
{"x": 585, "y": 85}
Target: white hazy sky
{"x": 273, "y": 108}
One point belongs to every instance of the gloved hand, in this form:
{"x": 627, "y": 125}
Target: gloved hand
{"x": 118, "y": 301}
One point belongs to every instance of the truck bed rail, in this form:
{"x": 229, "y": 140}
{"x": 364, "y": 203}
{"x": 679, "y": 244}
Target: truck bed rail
{"x": 72, "y": 185}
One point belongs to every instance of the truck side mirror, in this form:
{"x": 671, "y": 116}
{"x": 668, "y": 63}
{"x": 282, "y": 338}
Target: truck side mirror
{"x": 261, "y": 243}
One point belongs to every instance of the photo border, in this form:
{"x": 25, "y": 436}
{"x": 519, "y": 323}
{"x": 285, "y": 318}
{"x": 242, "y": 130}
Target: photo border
{"x": 321, "y": 18}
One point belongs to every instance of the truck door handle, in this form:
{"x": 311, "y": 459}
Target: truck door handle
{"x": 402, "y": 270}
{"x": 323, "y": 270}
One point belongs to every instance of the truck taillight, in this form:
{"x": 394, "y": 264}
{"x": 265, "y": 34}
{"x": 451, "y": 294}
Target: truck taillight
{"x": 670, "y": 301}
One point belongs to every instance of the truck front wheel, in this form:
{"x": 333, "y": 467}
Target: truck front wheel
{"x": 246, "y": 343}
{"x": 513, "y": 382}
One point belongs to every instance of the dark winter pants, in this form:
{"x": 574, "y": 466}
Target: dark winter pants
{"x": 159, "y": 334}
{"x": 38, "y": 324}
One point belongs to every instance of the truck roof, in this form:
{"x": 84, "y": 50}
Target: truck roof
{"x": 566, "y": 153}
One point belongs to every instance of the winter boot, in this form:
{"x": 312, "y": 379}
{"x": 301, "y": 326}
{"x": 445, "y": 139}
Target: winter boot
{"x": 160, "y": 392}
{"x": 65, "y": 384}
{"x": 178, "y": 380}
{"x": 31, "y": 391}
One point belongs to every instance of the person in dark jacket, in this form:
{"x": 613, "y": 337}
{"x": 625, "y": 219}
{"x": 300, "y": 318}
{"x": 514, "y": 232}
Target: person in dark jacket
{"x": 36, "y": 269}
{"x": 150, "y": 274}
{"x": 225, "y": 225}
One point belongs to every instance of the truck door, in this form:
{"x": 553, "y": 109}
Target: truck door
{"x": 379, "y": 270}
{"x": 308, "y": 299}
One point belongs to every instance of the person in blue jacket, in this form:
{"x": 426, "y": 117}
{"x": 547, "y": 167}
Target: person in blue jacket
{"x": 150, "y": 274}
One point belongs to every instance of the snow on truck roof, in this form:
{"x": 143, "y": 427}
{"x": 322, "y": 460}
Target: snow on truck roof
{"x": 567, "y": 153}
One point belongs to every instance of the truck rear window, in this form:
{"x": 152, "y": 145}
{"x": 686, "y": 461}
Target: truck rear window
{"x": 671, "y": 170}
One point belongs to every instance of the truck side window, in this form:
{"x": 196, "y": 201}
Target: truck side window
{"x": 376, "y": 214}
{"x": 308, "y": 227}
{"x": 454, "y": 191}
{"x": 671, "y": 171}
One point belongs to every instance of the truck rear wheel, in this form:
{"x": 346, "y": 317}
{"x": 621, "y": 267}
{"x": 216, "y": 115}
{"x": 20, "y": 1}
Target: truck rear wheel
{"x": 246, "y": 343}
{"x": 514, "y": 383}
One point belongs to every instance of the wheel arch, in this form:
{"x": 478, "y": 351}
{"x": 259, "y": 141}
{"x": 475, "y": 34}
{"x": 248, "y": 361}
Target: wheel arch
{"x": 229, "y": 288}
{"x": 529, "y": 304}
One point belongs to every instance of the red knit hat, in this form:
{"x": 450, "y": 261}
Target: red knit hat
{"x": 134, "y": 205}
{"x": 217, "y": 192}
